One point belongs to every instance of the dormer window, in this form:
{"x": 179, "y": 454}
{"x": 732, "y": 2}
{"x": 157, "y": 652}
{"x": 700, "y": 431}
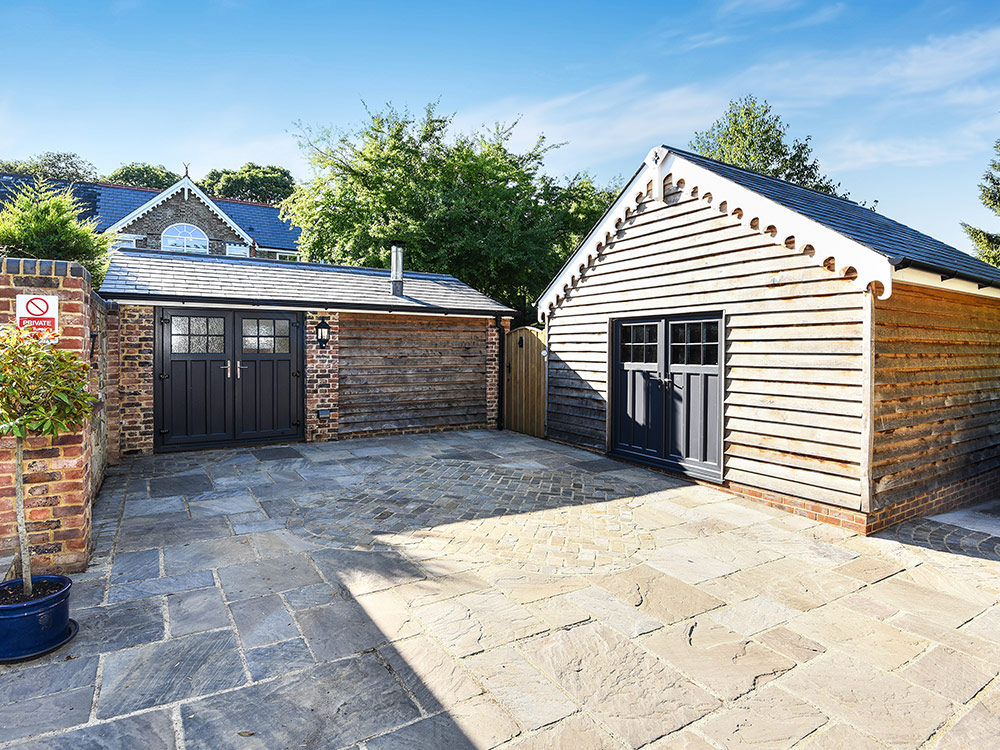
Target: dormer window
{"x": 184, "y": 238}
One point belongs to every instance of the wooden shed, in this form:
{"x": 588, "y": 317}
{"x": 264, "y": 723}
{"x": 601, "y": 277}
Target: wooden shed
{"x": 795, "y": 347}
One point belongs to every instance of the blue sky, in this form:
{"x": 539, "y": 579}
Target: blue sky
{"x": 901, "y": 98}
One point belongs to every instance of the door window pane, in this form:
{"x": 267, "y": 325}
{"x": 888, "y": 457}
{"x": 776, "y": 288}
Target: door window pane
{"x": 710, "y": 332}
{"x": 189, "y": 334}
{"x": 694, "y": 333}
{"x": 266, "y": 336}
{"x": 677, "y": 354}
{"x": 694, "y": 354}
{"x": 710, "y": 354}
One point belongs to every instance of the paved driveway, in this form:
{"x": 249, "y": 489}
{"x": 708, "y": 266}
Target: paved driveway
{"x": 485, "y": 590}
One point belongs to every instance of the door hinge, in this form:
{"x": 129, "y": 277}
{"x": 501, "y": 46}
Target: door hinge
{"x": 164, "y": 376}
{"x": 296, "y": 423}
{"x": 296, "y": 374}
{"x": 164, "y": 321}
{"x": 164, "y": 432}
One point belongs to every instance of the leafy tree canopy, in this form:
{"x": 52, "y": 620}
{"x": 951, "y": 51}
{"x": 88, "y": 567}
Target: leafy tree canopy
{"x": 988, "y": 243}
{"x": 467, "y": 205}
{"x": 251, "y": 182}
{"x": 53, "y": 165}
{"x": 40, "y": 221}
{"x": 750, "y": 136}
{"x": 140, "y": 174}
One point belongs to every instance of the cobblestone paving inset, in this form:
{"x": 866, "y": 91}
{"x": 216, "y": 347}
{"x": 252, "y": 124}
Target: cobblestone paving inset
{"x": 945, "y": 537}
{"x": 538, "y": 519}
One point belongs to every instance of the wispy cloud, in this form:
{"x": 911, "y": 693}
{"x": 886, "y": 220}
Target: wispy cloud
{"x": 748, "y": 7}
{"x": 823, "y": 15}
{"x": 611, "y": 121}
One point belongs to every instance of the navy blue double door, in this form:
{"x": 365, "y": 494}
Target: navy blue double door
{"x": 666, "y": 392}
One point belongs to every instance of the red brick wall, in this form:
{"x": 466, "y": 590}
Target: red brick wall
{"x": 62, "y": 474}
{"x": 135, "y": 333}
{"x": 322, "y": 373}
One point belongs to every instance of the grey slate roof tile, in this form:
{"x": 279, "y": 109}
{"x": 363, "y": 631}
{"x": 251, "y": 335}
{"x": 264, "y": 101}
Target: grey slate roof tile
{"x": 883, "y": 235}
{"x": 162, "y": 276}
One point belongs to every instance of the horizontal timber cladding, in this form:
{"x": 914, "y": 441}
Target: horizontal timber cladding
{"x": 794, "y": 353}
{"x": 936, "y": 412}
{"x": 407, "y": 373}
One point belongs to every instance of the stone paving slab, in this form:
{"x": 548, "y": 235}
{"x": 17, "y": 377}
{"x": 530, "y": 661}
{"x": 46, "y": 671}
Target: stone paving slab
{"x": 483, "y": 589}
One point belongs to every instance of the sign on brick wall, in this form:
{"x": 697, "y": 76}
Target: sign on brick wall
{"x": 39, "y": 311}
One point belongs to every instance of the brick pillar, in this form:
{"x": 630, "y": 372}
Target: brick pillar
{"x": 60, "y": 480}
{"x": 493, "y": 365}
{"x": 322, "y": 374}
{"x": 135, "y": 384}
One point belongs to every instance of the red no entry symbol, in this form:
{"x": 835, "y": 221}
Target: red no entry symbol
{"x": 36, "y": 306}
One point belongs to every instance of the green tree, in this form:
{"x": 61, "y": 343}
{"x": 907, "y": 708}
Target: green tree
{"x": 43, "y": 391}
{"x": 750, "y": 136}
{"x": 41, "y": 221}
{"x": 53, "y": 165}
{"x": 251, "y": 182}
{"x": 466, "y": 205}
{"x": 988, "y": 243}
{"x": 140, "y": 174}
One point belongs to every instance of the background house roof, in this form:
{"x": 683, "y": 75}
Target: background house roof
{"x": 897, "y": 242}
{"x": 109, "y": 204}
{"x": 160, "y": 276}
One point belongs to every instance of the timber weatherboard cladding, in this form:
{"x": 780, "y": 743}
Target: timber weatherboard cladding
{"x": 936, "y": 412}
{"x": 793, "y": 414}
{"x": 407, "y": 373}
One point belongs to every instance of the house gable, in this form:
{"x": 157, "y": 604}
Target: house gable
{"x": 178, "y": 209}
{"x": 181, "y": 198}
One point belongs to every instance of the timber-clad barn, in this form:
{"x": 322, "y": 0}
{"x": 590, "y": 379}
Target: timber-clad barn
{"x": 796, "y": 347}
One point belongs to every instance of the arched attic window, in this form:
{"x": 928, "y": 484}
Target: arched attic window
{"x": 184, "y": 238}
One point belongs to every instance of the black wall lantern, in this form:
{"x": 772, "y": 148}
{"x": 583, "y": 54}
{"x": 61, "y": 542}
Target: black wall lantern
{"x": 322, "y": 333}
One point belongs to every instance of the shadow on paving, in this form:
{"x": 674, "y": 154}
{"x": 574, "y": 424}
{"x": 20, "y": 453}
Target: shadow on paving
{"x": 932, "y": 534}
{"x": 199, "y": 601}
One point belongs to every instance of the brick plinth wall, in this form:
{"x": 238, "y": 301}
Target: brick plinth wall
{"x": 61, "y": 474}
{"x": 322, "y": 374}
{"x": 493, "y": 365}
{"x": 135, "y": 382}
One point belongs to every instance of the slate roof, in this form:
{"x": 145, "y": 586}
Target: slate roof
{"x": 153, "y": 276}
{"x": 110, "y": 203}
{"x": 899, "y": 243}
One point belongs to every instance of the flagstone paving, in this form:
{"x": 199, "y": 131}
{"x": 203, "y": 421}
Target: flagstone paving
{"x": 490, "y": 590}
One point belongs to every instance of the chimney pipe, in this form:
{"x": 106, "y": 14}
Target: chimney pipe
{"x": 396, "y": 275}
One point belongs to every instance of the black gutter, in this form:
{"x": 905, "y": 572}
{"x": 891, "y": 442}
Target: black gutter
{"x": 309, "y": 304}
{"x": 501, "y": 356}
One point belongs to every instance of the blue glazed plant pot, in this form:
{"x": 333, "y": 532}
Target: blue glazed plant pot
{"x": 34, "y": 628}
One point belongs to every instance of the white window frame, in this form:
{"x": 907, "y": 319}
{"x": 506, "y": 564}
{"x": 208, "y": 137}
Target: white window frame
{"x": 186, "y": 249}
{"x": 286, "y": 255}
{"x": 238, "y": 251}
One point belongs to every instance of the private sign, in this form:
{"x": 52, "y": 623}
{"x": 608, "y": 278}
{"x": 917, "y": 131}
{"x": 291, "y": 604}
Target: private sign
{"x": 37, "y": 311}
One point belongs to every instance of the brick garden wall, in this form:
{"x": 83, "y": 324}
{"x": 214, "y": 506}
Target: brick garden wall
{"x": 62, "y": 474}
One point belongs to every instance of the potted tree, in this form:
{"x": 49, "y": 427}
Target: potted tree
{"x": 43, "y": 391}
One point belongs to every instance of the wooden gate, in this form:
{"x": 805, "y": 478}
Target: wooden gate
{"x": 524, "y": 393}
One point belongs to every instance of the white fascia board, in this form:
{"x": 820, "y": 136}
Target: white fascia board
{"x": 932, "y": 280}
{"x": 753, "y": 210}
{"x": 185, "y": 183}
